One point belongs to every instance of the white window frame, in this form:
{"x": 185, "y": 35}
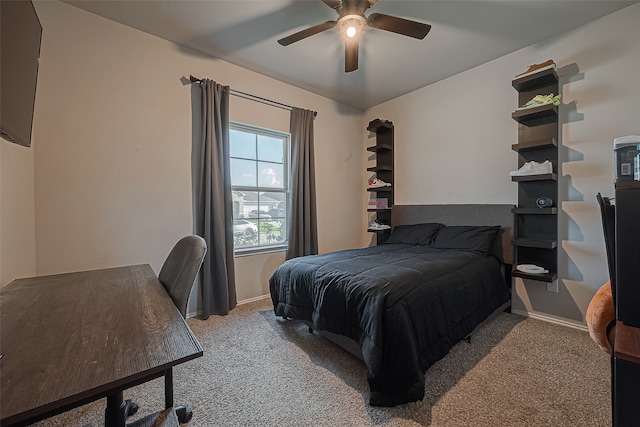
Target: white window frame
{"x": 244, "y": 127}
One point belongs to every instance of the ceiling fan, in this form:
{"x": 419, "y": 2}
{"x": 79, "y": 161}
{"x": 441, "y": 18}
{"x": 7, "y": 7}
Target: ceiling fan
{"x": 351, "y": 21}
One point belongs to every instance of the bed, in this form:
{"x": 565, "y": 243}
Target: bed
{"x": 404, "y": 304}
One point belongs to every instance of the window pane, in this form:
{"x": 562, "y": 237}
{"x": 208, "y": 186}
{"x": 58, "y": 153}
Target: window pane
{"x": 270, "y": 149}
{"x": 243, "y": 172}
{"x": 259, "y": 218}
{"x": 274, "y": 222}
{"x": 271, "y": 175}
{"x": 245, "y": 233}
{"x": 243, "y": 203}
{"x": 242, "y": 144}
{"x": 275, "y": 204}
{"x": 245, "y": 229}
{"x": 271, "y": 232}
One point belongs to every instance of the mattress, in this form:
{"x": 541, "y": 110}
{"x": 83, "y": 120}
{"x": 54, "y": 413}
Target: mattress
{"x": 406, "y": 304}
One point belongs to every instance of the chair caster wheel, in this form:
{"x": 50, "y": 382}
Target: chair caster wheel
{"x": 184, "y": 414}
{"x": 130, "y": 408}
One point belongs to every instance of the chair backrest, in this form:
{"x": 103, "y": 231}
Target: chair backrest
{"x": 180, "y": 269}
{"x": 608, "y": 214}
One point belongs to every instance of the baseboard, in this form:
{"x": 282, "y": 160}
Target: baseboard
{"x": 254, "y": 299}
{"x": 244, "y": 301}
{"x": 560, "y": 322}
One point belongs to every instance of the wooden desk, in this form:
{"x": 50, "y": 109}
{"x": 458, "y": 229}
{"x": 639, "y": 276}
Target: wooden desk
{"x": 69, "y": 339}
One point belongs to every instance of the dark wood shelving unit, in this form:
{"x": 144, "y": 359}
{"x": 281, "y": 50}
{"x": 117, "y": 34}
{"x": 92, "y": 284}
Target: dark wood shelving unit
{"x": 530, "y": 115}
{"x": 542, "y": 78}
{"x": 383, "y": 131}
{"x": 382, "y": 147}
{"x": 379, "y": 232}
{"x": 543, "y": 277}
{"x": 380, "y": 168}
{"x": 626, "y": 185}
{"x": 376, "y": 125}
{"x": 536, "y": 243}
{"x": 535, "y": 211}
{"x": 625, "y": 368}
{"x": 541, "y": 177}
{"x": 627, "y": 343}
{"x": 535, "y": 229}
{"x": 535, "y": 145}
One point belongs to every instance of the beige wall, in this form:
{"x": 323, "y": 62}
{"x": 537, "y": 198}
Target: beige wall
{"x": 453, "y": 145}
{"x": 113, "y": 182}
{"x": 17, "y": 212}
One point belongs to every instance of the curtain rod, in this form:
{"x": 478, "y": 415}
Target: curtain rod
{"x": 251, "y": 97}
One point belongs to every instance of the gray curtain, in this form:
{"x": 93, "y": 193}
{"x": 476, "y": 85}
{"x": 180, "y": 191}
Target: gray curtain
{"x": 303, "y": 224}
{"x": 214, "y": 207}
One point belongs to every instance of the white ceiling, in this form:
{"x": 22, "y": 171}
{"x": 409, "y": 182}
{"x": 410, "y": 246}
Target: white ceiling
{"x": 464, "y": 34}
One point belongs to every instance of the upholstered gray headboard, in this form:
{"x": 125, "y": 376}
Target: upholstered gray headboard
{"x": 461, "y": 215}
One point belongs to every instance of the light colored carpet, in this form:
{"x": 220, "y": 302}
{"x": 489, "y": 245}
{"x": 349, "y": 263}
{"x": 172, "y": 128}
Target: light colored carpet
{"x": 259, "y": 370}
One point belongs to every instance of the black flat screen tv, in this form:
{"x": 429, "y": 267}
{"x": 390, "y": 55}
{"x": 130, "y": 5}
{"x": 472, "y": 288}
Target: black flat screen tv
{"x": 20, "y": 36}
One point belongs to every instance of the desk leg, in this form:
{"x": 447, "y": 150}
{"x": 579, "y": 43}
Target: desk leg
{"x": 168, "y": 388}
{"x": 114, "y": 414}
{"x": 184, "y": 414}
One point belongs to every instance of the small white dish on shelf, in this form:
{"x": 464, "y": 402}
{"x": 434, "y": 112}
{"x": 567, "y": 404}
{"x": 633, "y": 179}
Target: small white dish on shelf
{"x": 531, "y": 269}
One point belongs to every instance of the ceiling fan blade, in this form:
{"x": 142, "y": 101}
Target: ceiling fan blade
{"x": 414, "y": 29}
{"x": 286, "y": 41}
{"x": 333, "y": 4}
{"x": 351, "y": 55}
{"x": 373, "y": 2}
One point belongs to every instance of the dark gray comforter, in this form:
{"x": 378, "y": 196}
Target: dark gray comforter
{"x": 405, "y": 305}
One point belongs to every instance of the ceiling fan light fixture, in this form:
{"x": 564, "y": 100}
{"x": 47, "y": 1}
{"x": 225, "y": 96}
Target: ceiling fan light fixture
{"x": 352, "y": 21}
{"x": 351, "y": 25}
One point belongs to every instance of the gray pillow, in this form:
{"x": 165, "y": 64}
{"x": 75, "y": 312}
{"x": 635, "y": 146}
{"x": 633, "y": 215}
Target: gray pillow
{"x": 466, "y": 237}
{"x": 414, "y": 234}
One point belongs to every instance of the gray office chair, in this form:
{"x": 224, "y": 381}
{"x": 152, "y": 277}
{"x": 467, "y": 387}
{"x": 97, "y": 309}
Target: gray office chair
{"x": 180, "y": 269}
{"x": 177, "y": 275}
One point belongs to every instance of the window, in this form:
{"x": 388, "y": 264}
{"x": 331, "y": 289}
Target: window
{"x": 260, "y": 187}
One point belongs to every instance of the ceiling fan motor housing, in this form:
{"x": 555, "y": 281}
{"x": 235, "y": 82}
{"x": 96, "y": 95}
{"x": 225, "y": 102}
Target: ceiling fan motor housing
{"x": 352, "y": 21}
